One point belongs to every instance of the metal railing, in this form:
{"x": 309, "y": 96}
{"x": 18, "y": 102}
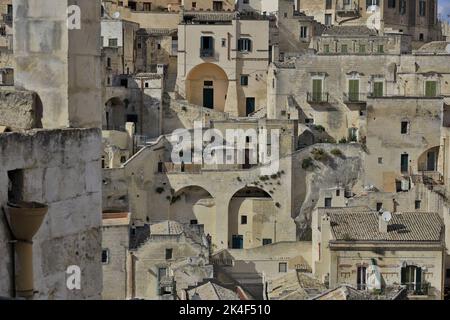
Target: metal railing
{"x": 428, "y": 177}
{"x": 347, "y": 7}
{"x": 317, "y": 97}
{"x": 417, "y": 289}
{"x": 206, "y": 53}
{"x": 355, "y": 97}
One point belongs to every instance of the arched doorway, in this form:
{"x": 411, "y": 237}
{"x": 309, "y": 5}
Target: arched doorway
{"x": 194, "y": 205}
{"x": 428, "y": 161}
{"x": 207, "y": 86}
{"x": 114, "y": 115}
{"x": 251, "y": 219}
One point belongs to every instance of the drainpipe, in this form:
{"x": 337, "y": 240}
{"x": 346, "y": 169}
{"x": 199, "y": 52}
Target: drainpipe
{"x": 25, "y": 219}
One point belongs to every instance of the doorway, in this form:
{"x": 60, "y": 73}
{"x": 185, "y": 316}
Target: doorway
{"x": 208, "y": 95}
{"x": 431, "y": 161}
{"x": 238, "y": 242}
{"x": 249, "y": 106}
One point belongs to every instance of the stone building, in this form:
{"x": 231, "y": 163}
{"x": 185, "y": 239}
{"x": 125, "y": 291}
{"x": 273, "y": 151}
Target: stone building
{"x": 52, "y": 155}
{"x": 417, "y": 18}
{"x": 224, "y": 65}
{"x": 370, "y": 251}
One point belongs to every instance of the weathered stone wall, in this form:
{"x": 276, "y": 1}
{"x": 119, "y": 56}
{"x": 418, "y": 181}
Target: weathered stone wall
{"x": 62, "y": 169}
{"x": 20, "y": 110}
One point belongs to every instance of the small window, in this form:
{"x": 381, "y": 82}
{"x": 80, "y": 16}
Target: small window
{"x": 326, "y": 48}
{"x": 123, "y": 159}
{"x": 417, "y": 204}
{"x": 244, "y": 80}
{"x": 338, "y": 193}
{"x": 282, "y": 267}
{"x": 362, "y": 48}
{"x": 303, "y": 32}
{"x": 344, "y": 48}
{"x": 245, "y": 45}
{"x": 421, "y": 37}
{"x": 243, "y": 219}
{"x": 194, "y": 5}
{"x": 379, "y": 206}
{"x": 309, "y": 120}
{"x": 224, "y": 42}
{"x": 380, "y": 48}
{"x": 105, "y": 256}
{"x": 430, "y": 88}
{"x": 112, "y": 42}
{"x": 266, "y": 242}
{"x": 146, "y": 84}
{"x": 422, "y": 6}
{"x": 328, "y": 20}
{"x": 404, "y": 127}
{"x": 380, "y": 160}
{"x": 208, "y": 83}
{"x": 391, "y": 4}
{"x": 327, "y": 202}
{"x": 194, "y": 222}
{"x": 328, "y": 4}
{"x": 169, "y": 253}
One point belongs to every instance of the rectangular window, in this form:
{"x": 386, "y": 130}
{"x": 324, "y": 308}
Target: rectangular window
{"x": 430, "y": 89}
{"x": 326, "y": 48}
{"x": 266, "y": 242}
{"x": 245, "y": 45}
{"x": 378, "y": 89}
{"x": 379, "y": 206}
{"x": 309, "y": 121}
{"x": 328, "y": 4}
{"x": 147, "y": 6}
{"x": 380, "y": 48}
{"x": 417, "y": 204}
{"x": 404, "y": 162}
{"x": 243, "y": 219}
{"x": 206, "y": 46}
{"x": 244, "y": 80}
{"x": 105, "y": 256}
{"x": 112, "y": 42}
{"x": 317, "y": 90}
{"x": 194, "y": 5}
{"x": 217, "y": 5}
{"x": 447, "y": 273}
{"x": 328, "y": 20}
{"x": 344, "y": 48}
{"x": 338, "y": 193}
{"x": 169, "y": 253}
{"x": 422, "y": 10}
{"x": 193, "y": 222}
{"x": 224, "y": 42}
{"x": 361, "y": 278}
{"x": 402, "y": 7}
{"x": 303, "y": 32}
{"x": 353, "y": 89}
{"x": 391, "y": 4}
{"x": 327, "y": 202}
{"x": 362, "y": 48}
{"x": 380, "y": 160}
{"x": 404, "y": 127}
{"x": 282, "y": 267}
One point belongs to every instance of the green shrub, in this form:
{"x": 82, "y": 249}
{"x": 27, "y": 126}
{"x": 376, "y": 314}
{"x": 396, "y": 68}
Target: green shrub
{"x": 319, "y": 154}
{"x": 336, "y": 152}
{"x": 319, "y": 128}
{"x": 343, "y": 140}
{"x": 307, "y": 163}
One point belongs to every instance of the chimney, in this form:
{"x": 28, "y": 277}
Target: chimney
{"x": 382, "y": 224}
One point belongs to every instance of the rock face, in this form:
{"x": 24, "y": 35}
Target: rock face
{"x": 20, "y": 110}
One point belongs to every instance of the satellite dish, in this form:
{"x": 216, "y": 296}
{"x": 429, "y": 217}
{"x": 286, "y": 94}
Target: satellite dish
{"x": 116, "y": 15}
{"x": 386, "y": 216}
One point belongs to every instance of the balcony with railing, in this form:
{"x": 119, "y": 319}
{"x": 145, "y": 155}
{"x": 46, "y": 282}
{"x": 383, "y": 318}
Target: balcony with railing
{"x": 354, "y": 97}
{"x": 417, "y": 289}
{"x": 317, "y": 97}
{"x": 347, "y": 8}
{"x": 428, "y": 178}
{"x": 206, "y": 53}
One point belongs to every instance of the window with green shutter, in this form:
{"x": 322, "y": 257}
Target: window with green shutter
{"x": 344, "y": 48}
{"x": 430, "y": 89}
{"x": 326, "y": 48}
{"x": 377, "y": 89}
{"x": 353, "y": 89}
{"x": 362, "y": 48}
{"x": 317, "y": 90}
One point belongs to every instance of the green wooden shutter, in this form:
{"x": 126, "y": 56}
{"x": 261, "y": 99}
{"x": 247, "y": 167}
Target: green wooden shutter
{"x": 353, "y": 90}
{"x": 378, "y": 89}
{"x": 317, "y": 89}
{"x": 430, "y": 89}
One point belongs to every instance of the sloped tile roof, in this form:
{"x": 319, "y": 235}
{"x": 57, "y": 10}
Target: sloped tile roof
{"x": 349, "y": 31}
{"x": 212, "y": 291}
{"x": 406, "y": 226}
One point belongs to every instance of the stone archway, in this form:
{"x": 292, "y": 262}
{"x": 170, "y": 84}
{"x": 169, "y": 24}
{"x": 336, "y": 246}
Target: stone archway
{"x": 194, "y": 205}
{"x": 428, "y": 160}
{"x": 114, "y": 115}
{"x": 251, "y": 218}
{"x": 207, "y": 86}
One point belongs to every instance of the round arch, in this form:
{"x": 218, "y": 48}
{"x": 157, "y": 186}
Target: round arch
{"x": 251, "y": 218}
{"x": 194, "y": 205}
{"x": 428, "y": 160}
{"x": 207, "y": 86}
{"x": 114, "y": 114}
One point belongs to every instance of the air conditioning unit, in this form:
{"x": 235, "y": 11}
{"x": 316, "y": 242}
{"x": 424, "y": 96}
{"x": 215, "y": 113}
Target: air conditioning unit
{"x": 405, "y": 185}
